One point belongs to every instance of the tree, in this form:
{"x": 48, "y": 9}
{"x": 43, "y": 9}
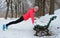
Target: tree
{"x": 38, "y": 3}
{"x": 51, "y": 6}
{"x": 11, "y": 9}
{"x": 7, "y": 1}
{"x": 15, "y": 8}
{"x": 41, "y": 5}
{"x": 23, "y": 7}
{"x": 19, "y": 7}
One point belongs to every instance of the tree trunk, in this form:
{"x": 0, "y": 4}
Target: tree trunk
{"x": 11, "y": 9}
{"x": 15, "y": 9}
{"x": 19, "y": 9}
{"x": 23, "y": 7}
{"x": 38, "y": 3}
{"x": 7, "y": 1}
{"x": 51, "y": 6}
{"x": 43, "y": 5}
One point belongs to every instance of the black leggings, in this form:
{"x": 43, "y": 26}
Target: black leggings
{"x": 15, "y": 22}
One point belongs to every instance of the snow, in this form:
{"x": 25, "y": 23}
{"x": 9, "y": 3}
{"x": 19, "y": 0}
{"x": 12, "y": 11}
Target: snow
{"x": 25, "y": 28}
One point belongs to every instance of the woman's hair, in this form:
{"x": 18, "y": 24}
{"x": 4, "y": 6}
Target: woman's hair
{"x": 36, "y": 7}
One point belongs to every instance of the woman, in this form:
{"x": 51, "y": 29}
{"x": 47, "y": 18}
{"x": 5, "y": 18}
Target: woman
{"x": 29, "y": 14}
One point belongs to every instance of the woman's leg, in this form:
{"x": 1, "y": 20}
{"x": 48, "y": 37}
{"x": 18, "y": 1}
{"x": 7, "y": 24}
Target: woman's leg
{"x": 15, "y": 22}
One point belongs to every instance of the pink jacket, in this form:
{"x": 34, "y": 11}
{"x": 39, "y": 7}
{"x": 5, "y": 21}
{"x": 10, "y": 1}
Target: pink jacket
{"x": 29, "y": 14}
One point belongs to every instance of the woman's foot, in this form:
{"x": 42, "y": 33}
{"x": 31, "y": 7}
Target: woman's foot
{"x": 4, "y": 27}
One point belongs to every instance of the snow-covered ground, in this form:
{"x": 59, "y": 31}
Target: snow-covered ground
{"x": 25, "y": 28}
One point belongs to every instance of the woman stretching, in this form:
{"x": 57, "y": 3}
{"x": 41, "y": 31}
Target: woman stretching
{"x": 29, "y": 14}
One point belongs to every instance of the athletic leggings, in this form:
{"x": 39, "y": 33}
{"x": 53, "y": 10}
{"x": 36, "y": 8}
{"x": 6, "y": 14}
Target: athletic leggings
{"x": 15, "y": 22}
